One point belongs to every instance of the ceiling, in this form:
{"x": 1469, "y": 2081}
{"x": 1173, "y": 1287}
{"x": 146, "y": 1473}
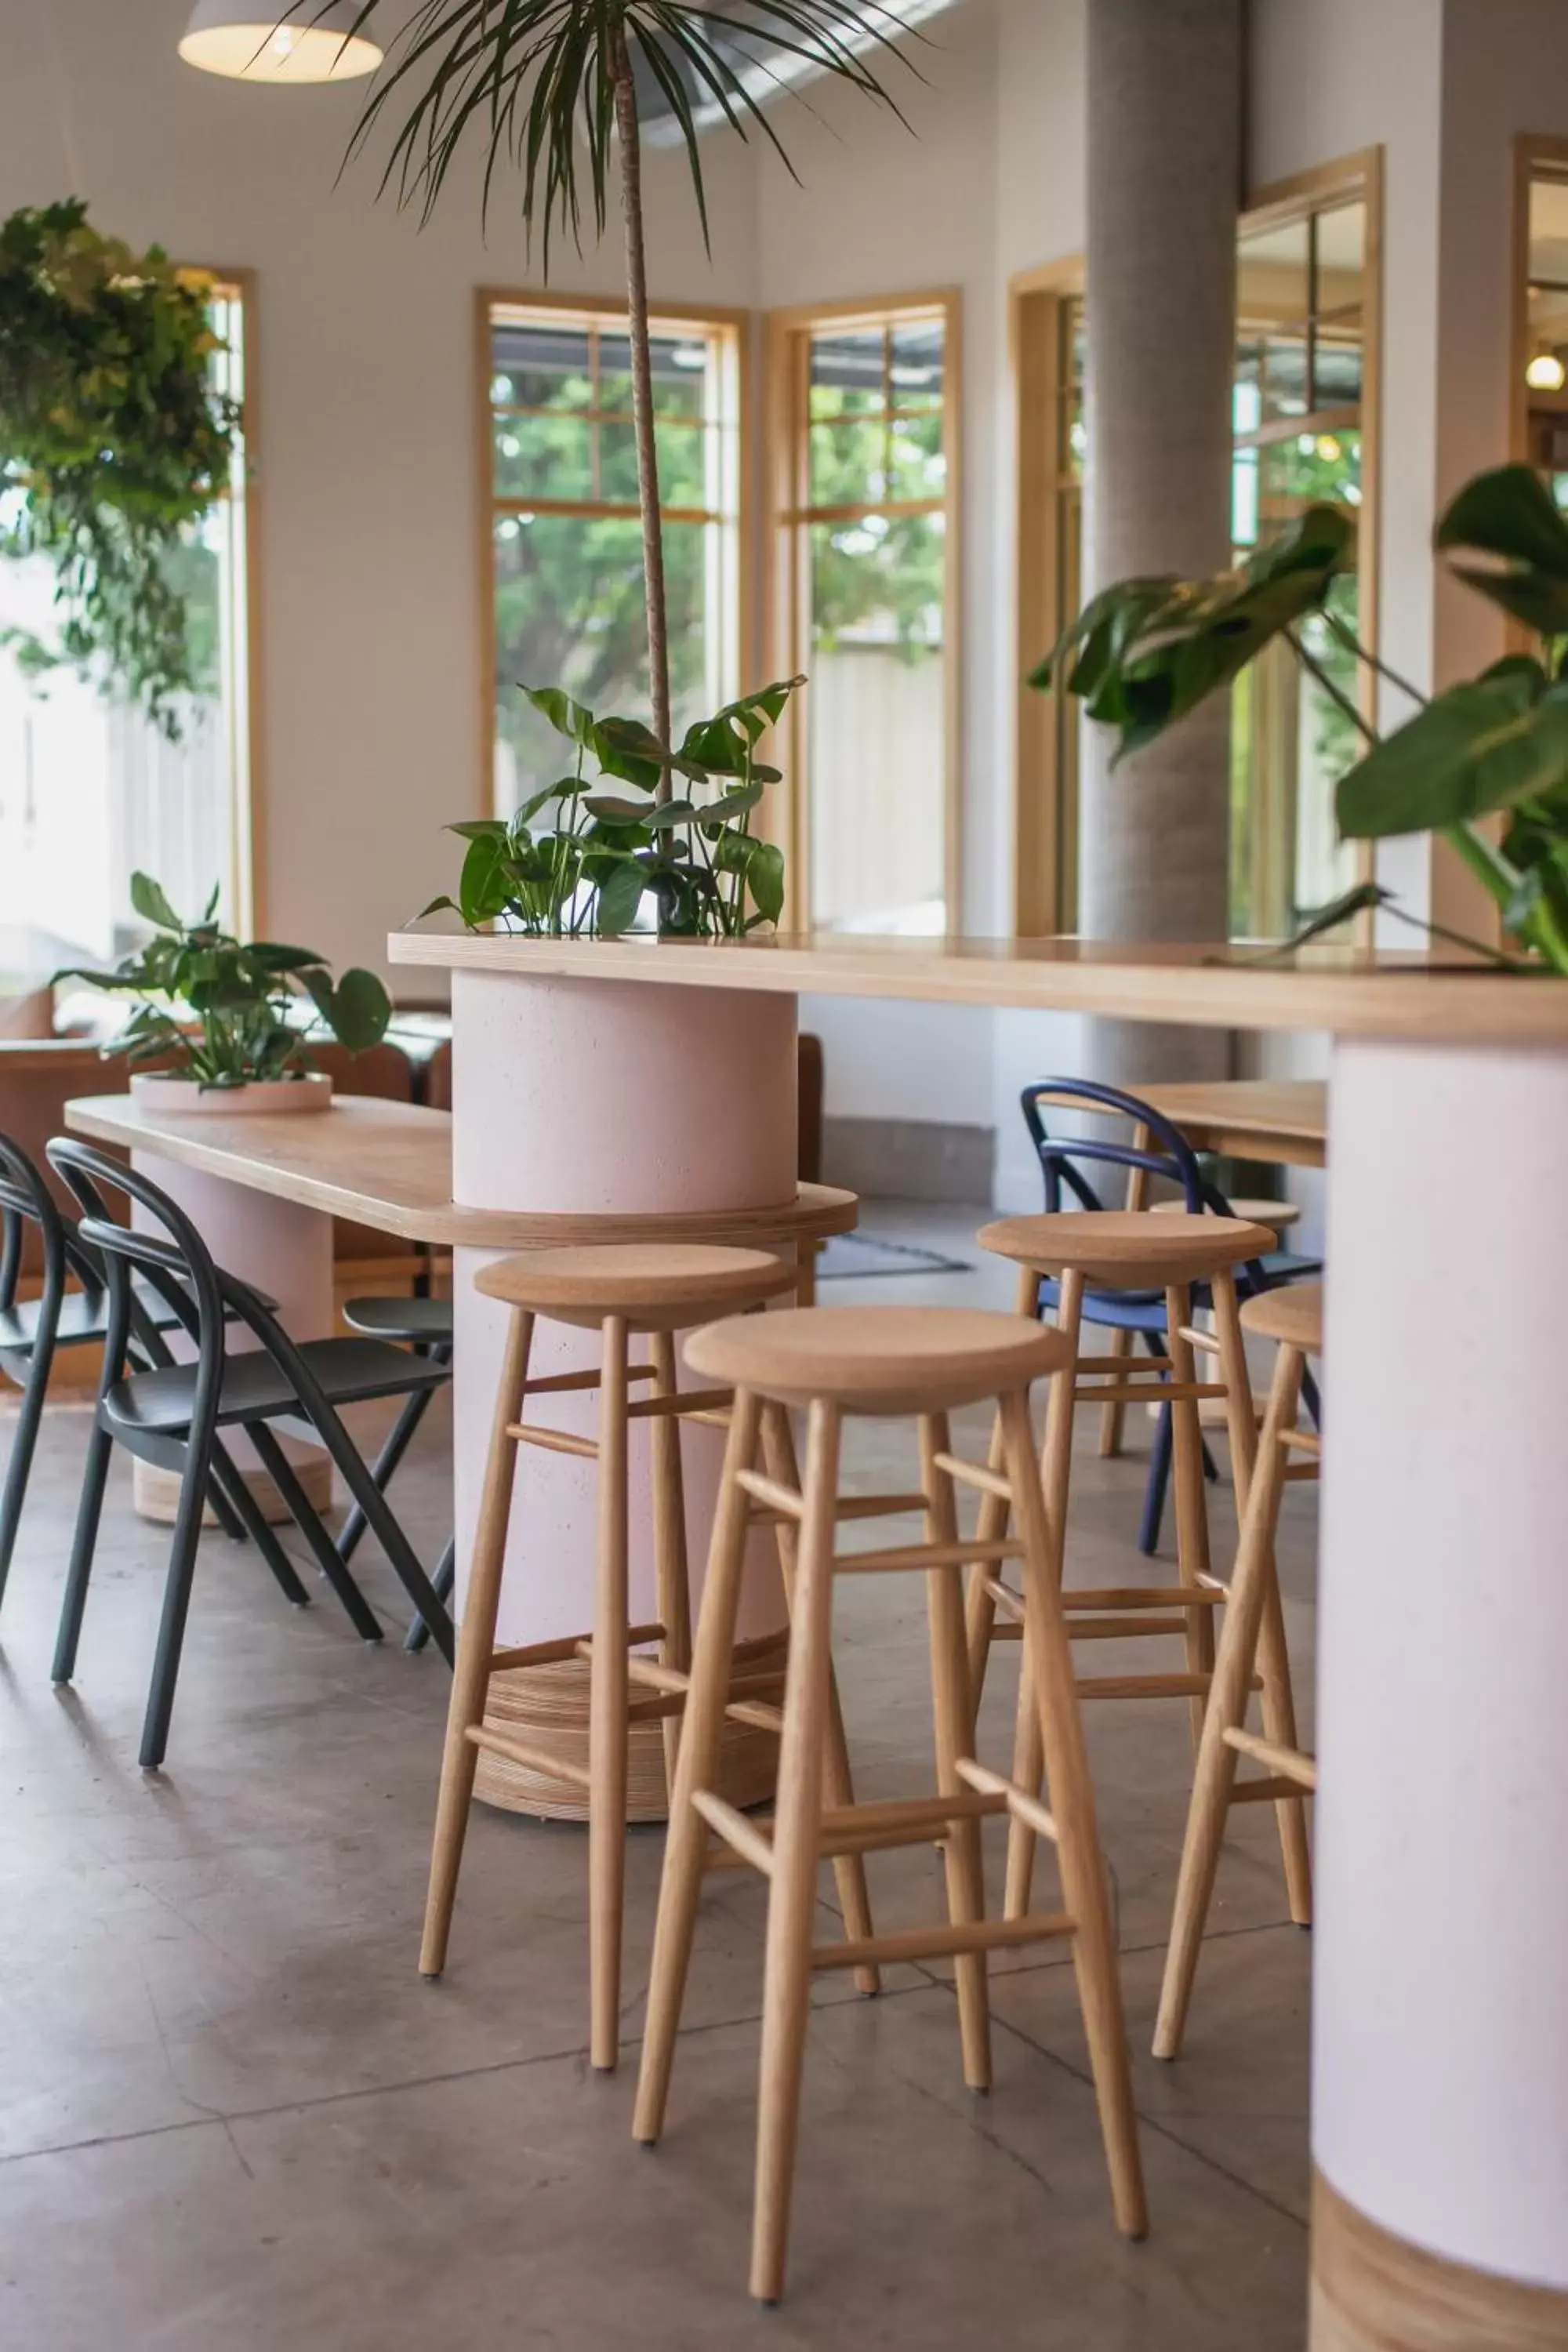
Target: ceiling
{"x": 766, "y": 69}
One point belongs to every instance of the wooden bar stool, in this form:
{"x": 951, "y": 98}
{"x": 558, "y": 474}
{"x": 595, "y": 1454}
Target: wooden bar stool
{"x": 881, "y": 1360}
{"x": 657, "y": 1289}
{"x": 1294, "y": 1318}
{"x": 1136, "y": 1250}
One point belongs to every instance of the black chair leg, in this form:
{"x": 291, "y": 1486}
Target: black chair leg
{"x": 442, "y": 1578}
{"x": 227, "y": 1478}
{"x": 385, "y": 1528}
{"x": 84, "y": 1543}
{"x": 281, "y": 1470}
{"x": 177, "y": 1586}
{"x": 1310, "y": 1398}
{"x": 1155, "y": 1489}
{"x": 399, "y": 1439}
{"x": 28, "y": 1421}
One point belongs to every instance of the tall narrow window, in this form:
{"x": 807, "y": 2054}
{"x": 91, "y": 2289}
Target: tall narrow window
{"x": 566, "y": 560}
{"x": 866, "y": 499}
{"x": 89, "y": 790}
{"x": 1540, "y": 388}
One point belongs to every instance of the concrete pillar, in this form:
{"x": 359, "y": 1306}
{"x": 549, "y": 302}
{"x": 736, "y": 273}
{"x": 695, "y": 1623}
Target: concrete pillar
{"x": 1164, "y": 95}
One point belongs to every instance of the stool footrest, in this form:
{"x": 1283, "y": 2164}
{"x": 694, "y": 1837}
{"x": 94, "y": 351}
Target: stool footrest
{"x": 1146, "y": 1685}
{"x": 1156, "y": 1392}
{"x": 1123, "y": 1365}
{"x": 1142, "y": 1596}
{"x": 571, "y": 1645}
{"x": 1302, "y": 1470}
{"x": 560, "y": 1383}
{"x": 929, "y": 1555}
{"x": 787, "y": 1503}
{"x": 744, "y": 1837}
{"x": 522, "y": 1751}
{"x": 1010, "y": 1603}
{"x": 978, "y": 1474}
{"x": 944, "y": 1943}
{"x": 1289, "y": 1763}
{"x": 757, "y": 1712}
{"x": 554, "y": 1441}
{"x": 1024, "y": 1806}
{"x": 694, "y": 1401}
{"x": 1303, "y": 1440}
{"x": 1121, "y": 1628}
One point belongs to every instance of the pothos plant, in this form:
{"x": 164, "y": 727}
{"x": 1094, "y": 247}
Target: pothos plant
{"x": 554, "y": 88}
{"x": 1144, "y": 653}
{"x": 577, "y": 858}
{"x": 112, "y": 443}
{"x": 225, "y": 1015}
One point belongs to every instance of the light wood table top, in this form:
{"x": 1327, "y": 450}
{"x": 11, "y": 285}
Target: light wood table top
{"x": 1283, "y": 1120}
{"x": 389, "y": 1165}
{"x": 1349, "y": 990}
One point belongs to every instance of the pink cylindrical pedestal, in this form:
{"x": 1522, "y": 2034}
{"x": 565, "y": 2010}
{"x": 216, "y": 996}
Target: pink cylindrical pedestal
{"x": 1440, "y": 2003}
{"x": 287, "y": 1252}
{"x": 612, "y": 1102}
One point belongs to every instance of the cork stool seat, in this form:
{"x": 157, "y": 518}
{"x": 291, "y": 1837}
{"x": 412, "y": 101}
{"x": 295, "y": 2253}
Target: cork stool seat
{"x": 655, "y": 1290}
{"x": 1141, "y": 1250}
{"x": 1294, "y": 1319}
{"x": 890, "y": 1361}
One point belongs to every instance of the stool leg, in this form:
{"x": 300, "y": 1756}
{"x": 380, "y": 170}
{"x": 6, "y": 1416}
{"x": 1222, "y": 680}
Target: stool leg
{"x": 475, "y": 1647}
{"x": 607, "y": 1726}
{"x": 1216, "y": 1773}
{"x": 1054, "y": 1481}
{"x": 849, "y": 1869}
{"x": 1273, "y": 1651}
{"x": 792, "y": 1892}
{"x": 686, "y": 1846}
{"x": 980, "y": 1610}
{"x": 1192, "y": 1504}
{"x": 1078, "y": 1837}
{"x": 952, "y": 1713}
{"x": 671, "y": 1569}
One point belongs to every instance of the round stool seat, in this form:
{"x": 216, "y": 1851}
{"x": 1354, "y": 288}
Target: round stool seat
{"x": 655, "y": 1286}
{"x": 877, "y": 1358}
{"x": 1127, "y": 1249}
{"x": 1294, "y": 1316}
{"x": 1276, "y": 1214}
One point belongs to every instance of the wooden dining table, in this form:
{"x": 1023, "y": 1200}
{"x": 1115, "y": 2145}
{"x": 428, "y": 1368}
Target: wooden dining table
{"x": 1282, "y": 1120}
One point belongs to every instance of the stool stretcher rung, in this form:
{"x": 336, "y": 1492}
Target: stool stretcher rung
{"x": 1302, "y": 1471}
{"x": 570, "y": 1645}
{"x": 944, "y": 1943}
{"x": 1128, "y": 1628}
{"x": 1147, "y": 1393}
{"x": 1122, "y": 1365}
{"x": 654, "y": 1708}
{"x": 757, "y": 1712}
{"x": 976, "y": 1473}
{"x": 554, "y": 1441}
{"x": 1018, "y": 1802}
{"x": 1208, "y": 1341}
{"x": 785, "y": 1502}
{"x": 560, "y": 1383}
{"x": 1302, "y": 1441}
{"x": 1289, "y": 1763}
{"x": 709, "y": 1417}
{"x": 743, "y": 1836}
{"x": 520, "y": 1751}
{"x": 893, "y": 1814}
{"x": 690, "y": 1403}
{"x": 1142, "y": 1596}
{"x": 1010, "y": 1603}
{"x": 931, "y": 1555}
{"x": 1144, "y": 1686}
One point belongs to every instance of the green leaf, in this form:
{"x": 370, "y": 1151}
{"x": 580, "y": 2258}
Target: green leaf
{"x": 443, "y": 905}
{"x": 620, "y": 896}
{"x": 480, "y": 828}
{"x": 730, "y": 804}
{"x": 568, "y": 717}
{"x": 1480, "y": 746}
{"x": 619, "y": 812}
{"x": 150, "y": 903}
{"x": 1508, "y": 514}
{"x": 765, "y": 879}
{"x": 361, "y": 1009}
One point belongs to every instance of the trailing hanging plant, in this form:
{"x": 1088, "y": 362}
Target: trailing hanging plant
{"x": 552, "y": 88}
{"x": 112, "y": 443}
{"x": 709, "y": 875}
{"x": 1145, "y": 652}
{"x": 243, "y": 999}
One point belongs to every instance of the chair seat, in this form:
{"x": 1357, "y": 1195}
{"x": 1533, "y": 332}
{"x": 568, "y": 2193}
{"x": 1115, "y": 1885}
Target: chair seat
{"x": 1144, "y": 1310}
{"x": 665, "y": 1285}
{"x": 1293, "y": 1316}
{"x": 877, "y": 1358}
{"x": 84, "y": 1315}
{"x": 427, "y": 1321}
{"x": 351, "y": 1372}
{"x": 1128, "y": 1249}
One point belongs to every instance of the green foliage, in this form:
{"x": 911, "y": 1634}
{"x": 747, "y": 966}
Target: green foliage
{"x": 576, "y": 859}
{"x": 112, "y": 445}
{"x": 242, "y": 997}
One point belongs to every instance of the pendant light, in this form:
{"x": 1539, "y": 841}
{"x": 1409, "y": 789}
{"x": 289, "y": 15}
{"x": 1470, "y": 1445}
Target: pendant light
{"x": 244, "y": 39}
{"x": 1544, "y": 370}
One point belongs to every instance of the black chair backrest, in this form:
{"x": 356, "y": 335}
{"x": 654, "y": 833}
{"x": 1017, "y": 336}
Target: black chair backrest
{"x": 26, "y": 1200}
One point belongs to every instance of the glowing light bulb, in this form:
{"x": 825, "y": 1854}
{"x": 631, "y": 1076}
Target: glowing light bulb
{"x": 282, "y": 41}
{"x": 1546, "y": 372}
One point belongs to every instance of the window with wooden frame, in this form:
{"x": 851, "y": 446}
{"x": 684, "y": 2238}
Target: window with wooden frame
{"x": 90, "y": 790}
{"x": 563, "y": 536}
{"x": 1304, "y": 412}
{"x": 864, "y": 451}
{"x": 1538, "y": 385}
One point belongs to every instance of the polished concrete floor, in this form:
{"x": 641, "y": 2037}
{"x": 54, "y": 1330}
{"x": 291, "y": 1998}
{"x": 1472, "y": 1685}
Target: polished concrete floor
{"x": 232, "y": 2116}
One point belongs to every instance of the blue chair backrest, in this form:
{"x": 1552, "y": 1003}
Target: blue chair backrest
{"x": 1063, "y": 1157}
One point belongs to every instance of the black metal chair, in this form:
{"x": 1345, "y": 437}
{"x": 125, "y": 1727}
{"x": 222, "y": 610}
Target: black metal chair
{"x": 32, "y": 1332}
{"x": 425, "y": 1324}
{"x": 170, "y": 1416}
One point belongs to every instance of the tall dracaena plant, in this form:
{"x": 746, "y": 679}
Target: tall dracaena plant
{"x": 551, "y": 86}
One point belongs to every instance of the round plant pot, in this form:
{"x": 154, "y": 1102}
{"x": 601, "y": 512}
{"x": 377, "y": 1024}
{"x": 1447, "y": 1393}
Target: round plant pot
{"x": 156, "y": 1090}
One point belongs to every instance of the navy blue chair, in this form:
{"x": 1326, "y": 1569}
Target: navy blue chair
{"x": 1066, "y": 1162}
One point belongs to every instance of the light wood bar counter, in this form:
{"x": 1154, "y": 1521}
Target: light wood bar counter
{"x": 1440, "y": 2033}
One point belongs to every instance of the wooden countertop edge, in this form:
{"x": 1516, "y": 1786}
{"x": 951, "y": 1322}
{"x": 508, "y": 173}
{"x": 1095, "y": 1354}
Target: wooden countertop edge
{"x": 1391, "y": 999}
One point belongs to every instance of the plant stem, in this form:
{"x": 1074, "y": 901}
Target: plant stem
{"x": 1336, "y": 694}
{"x": 1352, "y": 644}
{"x": 642, "y": 397}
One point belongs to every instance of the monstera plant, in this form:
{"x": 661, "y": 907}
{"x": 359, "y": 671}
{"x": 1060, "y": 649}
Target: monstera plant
{"x": 1145, "y": 652}
{"x": 553, "y": 90}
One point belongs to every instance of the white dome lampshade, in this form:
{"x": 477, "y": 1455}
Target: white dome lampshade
{"x": 244, "y": 39}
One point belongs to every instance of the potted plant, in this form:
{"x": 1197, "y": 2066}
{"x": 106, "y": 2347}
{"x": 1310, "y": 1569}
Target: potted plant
{"x": 1144, "y": 653}
{"x": 113, "y": 435}
{"x": 219, "y": 1018}
{"x": 552, "y": 87}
